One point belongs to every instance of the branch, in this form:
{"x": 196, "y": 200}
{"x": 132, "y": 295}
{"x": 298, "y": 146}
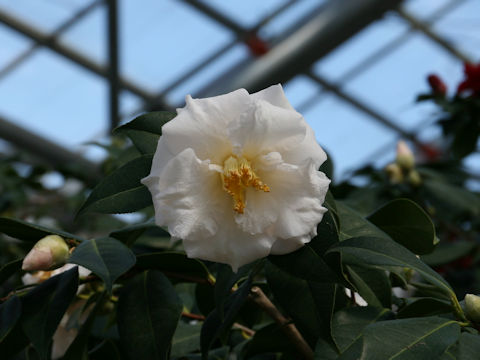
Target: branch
{"x": 260, "y": 299}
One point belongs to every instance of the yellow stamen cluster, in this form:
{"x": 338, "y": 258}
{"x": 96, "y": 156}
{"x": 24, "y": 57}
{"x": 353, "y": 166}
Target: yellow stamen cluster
{"x": 236, "y": 177}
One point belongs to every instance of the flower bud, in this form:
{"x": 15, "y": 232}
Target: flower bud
{"x": 472, "y": 307}
{"x": 394, "y": 173}
{"x": 405, "y": 157}
{"x": 414, "y": 178}
{"x": 437, "y": 85}
{"x": 48, "y": 253}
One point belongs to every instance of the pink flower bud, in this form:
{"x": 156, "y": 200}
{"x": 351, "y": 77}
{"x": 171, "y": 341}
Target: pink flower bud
{"x": 405, "y": 158}
{"x": 48, "y": 253}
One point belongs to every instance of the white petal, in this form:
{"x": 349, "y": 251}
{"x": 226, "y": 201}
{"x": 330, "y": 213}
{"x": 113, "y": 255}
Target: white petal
{"x": 230, "y": 245}
{"x": 187, "y": 195}
{"x": 265, "y": 129}
{"x": 274, "y": 95}
{"x": 307, "y": 150}
{"x": 292, "y": 208}
{"x": 202, "y": 125}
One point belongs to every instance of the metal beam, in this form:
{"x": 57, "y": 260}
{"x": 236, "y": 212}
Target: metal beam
{"x": 113, "y": 72}
{"x": 361, "y": 106}
{"x": 73, "y": 55}
{"x": 18, "y": 60}
{"x": 426, "y": 30}
{"x": 338, "y": 21}
{"x": 48, "y": 151}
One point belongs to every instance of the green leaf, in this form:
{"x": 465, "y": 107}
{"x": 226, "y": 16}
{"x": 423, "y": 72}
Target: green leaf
{"x": 348, "y": 324}
{"x": 107, "y": 350}
{"x": 421, "y": 338}
{"x": 353, "y": 224}
{"x": 445, "y": 253}
{"x": 174, "y": 264}
{"x": 373, "y": 285}
{"x": 226, "y": 278}
{"x": 384, "y": 254}
{"x": 468, "y": 347}
{"x": 10, "y": 312}
{"x": 148, "y": 314}
{"x": 108, "y": 258}
{"x": 44, "y": 307}
{"x": 186, "y": 339}
{"x": 426, "y": 306}
{"x": 213, "y": 326}
{"x": 145, "y": 130}
{"x": 451, "y": 199}
{"x": 268, "y": 339}
{"x": 406, "y": 223}
{"x": 23, "y": 230}
{"x": 78, "y": 349}
{"x": 129, "y": 234}
{"x": 9, "y": 269}
{"x": 121, "y": 191}
{"x": 305, "y": 264}
{"x": 324, "y": 351}
{"x": 297, "y": 298}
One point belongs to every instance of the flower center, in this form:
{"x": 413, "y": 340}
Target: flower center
{"x": 236, "y": 177}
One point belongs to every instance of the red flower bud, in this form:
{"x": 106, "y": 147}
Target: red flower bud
{"x": 437, "y": 85}
{"x": 471, "y": 81}
{"x": 257, "y": 46}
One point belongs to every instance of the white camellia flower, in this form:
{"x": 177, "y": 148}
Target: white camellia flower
{"x": 236, "y": 177}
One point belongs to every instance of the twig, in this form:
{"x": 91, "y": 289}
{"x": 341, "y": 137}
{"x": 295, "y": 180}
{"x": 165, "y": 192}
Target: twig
{"x": 238, "y": 326}
{"x": 259, "y": 298}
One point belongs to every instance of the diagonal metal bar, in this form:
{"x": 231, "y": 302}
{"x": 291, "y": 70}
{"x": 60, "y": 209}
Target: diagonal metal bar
{"x": 360, "y": 106}
{"x": 18, "y": 60}
{"x": 334, "y": 23}
{"x": 379, "y": 54}
{"x": 425, "y": 29}
{"x": 75, "y": 56}
{"x": 53, "y": 153}
{"x": 113, "y": 72}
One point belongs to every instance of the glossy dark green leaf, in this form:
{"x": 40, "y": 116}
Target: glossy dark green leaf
{"x": 129, "y": 234}
{"x": 427, "y": 306}
{"x": 108, "y": 258}
{"x": 296, "y": 299}
{"x": 451, "y": 199}
{"x": 9, "y": 269}
{"x": 268, "y": 339}
{"x": 325, "y": 351}
{"x": 174, "y": 264}
{"x": 121, "y": 191}
{"x": 348, "y": 324}
{"x": 225, "y": 281}
{"x": 186, "y": 339}
{"x": 23, "y": 230}
{"x": 148, "y": 314}
{"x": 305, "y": 264}
{"x": 78, "y": 349}
{"x": 409, "y": 339}
{"x": 44, "y": 307}
{"x": 468, "y": 347}
{"x": 445, "y": 253}
{"x": 373, "y": 285}
{"x": 213, "y": 326}
{"x": 10, "y": 312}
{"x": 145, "y": 130}
{"x": 108, "y": 349}
{"x": 406, "y": 223}
{"x": 353, "y": 224}
{"x": 384, "y": 254}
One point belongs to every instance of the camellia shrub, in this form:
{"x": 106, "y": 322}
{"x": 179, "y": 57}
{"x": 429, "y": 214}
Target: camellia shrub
{"x": 247, "y": 250}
